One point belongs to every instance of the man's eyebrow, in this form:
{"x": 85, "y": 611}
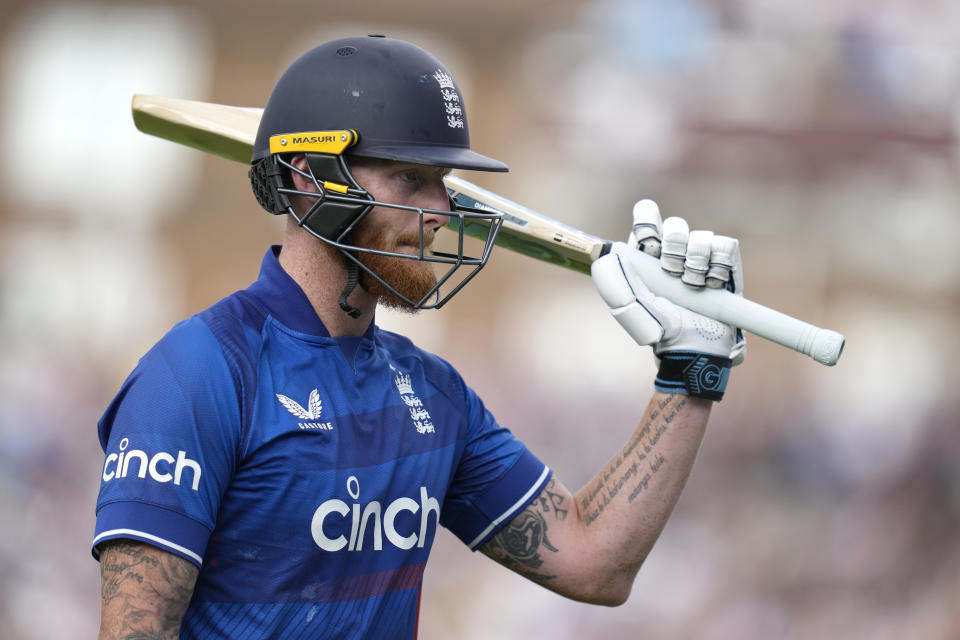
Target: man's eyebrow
{"x": 405, "y": 166}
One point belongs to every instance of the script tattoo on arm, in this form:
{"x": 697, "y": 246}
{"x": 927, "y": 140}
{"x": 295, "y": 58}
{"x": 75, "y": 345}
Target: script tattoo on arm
{"x": 144, "y": 591}
{"x": 636, "y": 464}
{"x": 519, "y": 544}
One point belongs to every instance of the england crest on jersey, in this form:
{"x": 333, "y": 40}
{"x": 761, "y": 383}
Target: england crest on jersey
{"x": 419, "y": 415}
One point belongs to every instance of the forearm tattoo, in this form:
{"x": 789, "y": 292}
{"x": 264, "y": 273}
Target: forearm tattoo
{"x": 145, "y": 591}
{"x": 519, "y": 544}
{"x": 635, "y": 466}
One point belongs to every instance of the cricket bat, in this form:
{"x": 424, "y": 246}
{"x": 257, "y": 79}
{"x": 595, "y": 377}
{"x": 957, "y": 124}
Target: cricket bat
{"x": 230, "y": 131}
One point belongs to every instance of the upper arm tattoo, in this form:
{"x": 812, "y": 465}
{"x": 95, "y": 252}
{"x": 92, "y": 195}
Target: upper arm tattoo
{"x": 520, "y": 543}
{"x": 144, "y": 591}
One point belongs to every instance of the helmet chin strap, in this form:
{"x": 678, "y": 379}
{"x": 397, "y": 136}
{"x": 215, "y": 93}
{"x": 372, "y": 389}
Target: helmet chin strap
{"x": 353, "y": 277}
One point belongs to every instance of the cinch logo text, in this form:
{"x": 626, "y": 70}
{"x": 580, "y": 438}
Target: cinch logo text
{"x": 373, "y": 515}
{"x": 162, "y": 467}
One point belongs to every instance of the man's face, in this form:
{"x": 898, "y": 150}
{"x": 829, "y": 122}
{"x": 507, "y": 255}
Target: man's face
{"x": 397, "y": 230}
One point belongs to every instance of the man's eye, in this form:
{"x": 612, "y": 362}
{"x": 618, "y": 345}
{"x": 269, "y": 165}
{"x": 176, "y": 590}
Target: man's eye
{"x": 410, "y": 176}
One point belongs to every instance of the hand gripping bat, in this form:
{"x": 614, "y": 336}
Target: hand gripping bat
{"x": 229, "y": 132}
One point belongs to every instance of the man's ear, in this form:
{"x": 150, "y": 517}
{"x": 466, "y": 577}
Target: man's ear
{"x": 300, "y": 182}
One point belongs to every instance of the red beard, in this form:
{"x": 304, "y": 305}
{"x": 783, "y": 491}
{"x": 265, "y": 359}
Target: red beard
{"x": 410, "y": 277}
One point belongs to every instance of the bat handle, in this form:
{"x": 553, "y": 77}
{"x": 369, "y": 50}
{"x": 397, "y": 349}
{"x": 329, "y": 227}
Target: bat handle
{"x": 822, "y": 345}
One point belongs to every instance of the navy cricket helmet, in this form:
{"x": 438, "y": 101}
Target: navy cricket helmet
{"x": 366, "y": 97}
{"x": 401, "y": 100}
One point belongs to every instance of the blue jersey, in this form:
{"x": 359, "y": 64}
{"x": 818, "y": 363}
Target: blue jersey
{"x": 305, "y": 475}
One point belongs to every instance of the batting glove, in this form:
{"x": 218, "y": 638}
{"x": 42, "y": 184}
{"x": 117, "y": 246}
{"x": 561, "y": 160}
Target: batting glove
{"x": 694, "y": 353}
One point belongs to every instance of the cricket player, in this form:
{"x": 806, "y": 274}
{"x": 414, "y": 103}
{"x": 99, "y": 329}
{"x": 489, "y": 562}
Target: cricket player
{"x": 277, "y": 465}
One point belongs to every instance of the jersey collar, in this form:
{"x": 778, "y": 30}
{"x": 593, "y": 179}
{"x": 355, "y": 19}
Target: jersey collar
{"x": 285, "y": 301}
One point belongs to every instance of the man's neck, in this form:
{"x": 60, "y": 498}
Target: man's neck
{"x": 319, "y": 270}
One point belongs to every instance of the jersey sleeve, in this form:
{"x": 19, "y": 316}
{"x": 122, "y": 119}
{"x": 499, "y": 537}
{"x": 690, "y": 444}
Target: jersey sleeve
{"x": 171, "y": 439}
{"x": 495, "y": 479}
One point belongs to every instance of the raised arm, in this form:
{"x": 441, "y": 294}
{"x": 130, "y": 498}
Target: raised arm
{"x": 589, "y": 546}
{"x": 144, "y": 591}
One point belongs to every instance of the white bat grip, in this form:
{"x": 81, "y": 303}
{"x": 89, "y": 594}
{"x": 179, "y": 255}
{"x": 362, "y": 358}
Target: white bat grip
{"x": 822, "y": 345}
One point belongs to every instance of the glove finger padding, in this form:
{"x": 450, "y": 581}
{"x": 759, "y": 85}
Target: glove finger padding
{"x": 647, "y": 318}
{"x": 697, "y": 263}
{"x": 725, "y": 264}
{"x": 647, "y": 228}
{"x": 676, "y": 233}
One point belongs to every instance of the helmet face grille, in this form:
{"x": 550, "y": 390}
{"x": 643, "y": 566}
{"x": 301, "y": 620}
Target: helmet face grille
{"x": 334, "y": 216}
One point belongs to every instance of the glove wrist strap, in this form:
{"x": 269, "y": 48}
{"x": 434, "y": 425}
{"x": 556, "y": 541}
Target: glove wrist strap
{"x": 699, "y": 375}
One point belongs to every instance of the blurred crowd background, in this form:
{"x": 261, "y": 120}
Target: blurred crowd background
{"x": 825, "y": 502}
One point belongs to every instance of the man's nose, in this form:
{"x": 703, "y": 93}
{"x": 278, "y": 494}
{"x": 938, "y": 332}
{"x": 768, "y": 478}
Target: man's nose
{"x": 436, "y": 198}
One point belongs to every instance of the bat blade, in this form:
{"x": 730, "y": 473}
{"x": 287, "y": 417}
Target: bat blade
{"x": 526, "y": 231}
{"x": 229, "y": 132}
{"x": 219, "y": 129}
